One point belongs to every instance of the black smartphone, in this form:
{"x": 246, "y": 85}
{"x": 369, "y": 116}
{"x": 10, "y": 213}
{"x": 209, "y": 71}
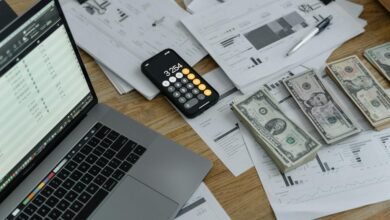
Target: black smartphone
{"x": 180, "y": 83}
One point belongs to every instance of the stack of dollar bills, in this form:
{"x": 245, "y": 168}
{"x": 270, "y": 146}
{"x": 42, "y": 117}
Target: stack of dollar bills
{"x": 379, "y": 57}
{"x": 362, "y": 88}
{"x": 288, "y": 145}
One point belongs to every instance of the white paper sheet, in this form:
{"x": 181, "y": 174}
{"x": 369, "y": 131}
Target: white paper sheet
{"x": 122, "y": 34}
{"x": 343, "y": 176}
{"x": 202, "y": 206}
{"x": 121, "y": 86}
{"x": 218, "y": 126}
{"x": 232, "y": 39}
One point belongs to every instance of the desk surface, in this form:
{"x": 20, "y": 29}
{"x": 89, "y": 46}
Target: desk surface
{"x": 242, "y": 197}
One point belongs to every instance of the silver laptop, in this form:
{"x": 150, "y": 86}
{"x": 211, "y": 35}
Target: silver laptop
{"x": 63, "y": 155}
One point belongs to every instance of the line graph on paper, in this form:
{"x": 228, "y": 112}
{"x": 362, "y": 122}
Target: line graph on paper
{"x": 351, "y": 166}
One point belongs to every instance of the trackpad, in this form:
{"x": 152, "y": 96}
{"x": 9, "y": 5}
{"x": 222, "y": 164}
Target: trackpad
{"x": 134, "y": 200}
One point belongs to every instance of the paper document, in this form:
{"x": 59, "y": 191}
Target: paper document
{"x": 251, "y": 41}
{"x": 202, "y": 206}
{"x": 336, "y": 180}
{"x": 218, "y": 126}
{"x": 122, "y": 34}
{"x": 120, "y": 85}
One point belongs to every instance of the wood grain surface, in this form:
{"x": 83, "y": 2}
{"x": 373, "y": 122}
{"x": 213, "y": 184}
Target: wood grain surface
{"x": 242, "y": 197}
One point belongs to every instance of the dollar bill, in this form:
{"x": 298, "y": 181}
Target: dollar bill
{"x": 327, "y": 116}
{"x": 379, "y": 57}
{"x": 286, "y": 143}
{"x": 359, "y": 84}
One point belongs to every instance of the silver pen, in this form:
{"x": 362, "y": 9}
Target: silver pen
{"x": 318, "y": 29}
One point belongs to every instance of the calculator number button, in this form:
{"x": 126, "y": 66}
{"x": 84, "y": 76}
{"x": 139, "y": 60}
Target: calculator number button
{"x": 191, "y": 103}
{"x": 190, "y": 86}
{"x": 195, "y": 91}
{"x": 182, "y": 100}
{"x": 183, "y": 90}
{"x": 189, "y": 95}
{"x": 176, "y": 94}
{"x": 201, "y": 97}
{"x": 177, "y": 84}
{"x": 184, "y": 80}
{"x": 171, "y": 89}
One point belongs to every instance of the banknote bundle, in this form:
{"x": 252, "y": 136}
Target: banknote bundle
{"x": 288, "y": 145}
{"x": 331, "y": 121}
{"x": 362, "y": 88}
{"x": 379, "y": 57}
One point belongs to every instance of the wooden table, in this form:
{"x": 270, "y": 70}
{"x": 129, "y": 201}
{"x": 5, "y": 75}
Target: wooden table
{"x": 242, "y": 197}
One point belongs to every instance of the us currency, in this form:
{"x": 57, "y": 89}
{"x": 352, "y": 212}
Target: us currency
{"x": 331, "y": 121}
{"x": 287, "y": 144}
{"x": 359, "y": 84}
{"x": 379, "y": 57}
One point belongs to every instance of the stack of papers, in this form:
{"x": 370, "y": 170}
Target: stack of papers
{"x": 251, "y": 41}
{"x": 122, "y": 34}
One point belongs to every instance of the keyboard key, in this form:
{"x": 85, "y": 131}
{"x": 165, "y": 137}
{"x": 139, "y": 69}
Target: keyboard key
{"x": 63, "y": 174}
{"x": 87, "y": 178}
{"x": 102, "y": 132}
{"x": 107, "y": 171}
{"x": 76, "y": 206}
{"x": 56, "y": 182}
{"x": 91, "y": 159}
{"x": 70, "y": 166}
{"x": 125, "y": 151}
{"x": 63, "y": 205}
{"x": 52, "y": 201}
{"x": 60, "y": 192}
{"x": 93, "y": 142}
{"x": 99, "y": 180}
{"x": 98, "y": 151}
{"x": 30, "y": 209}
{"x": 79, "y": 157}
{"x": 125, "y": 166}
{"x": 114, "y": 163}
{"x": 106, "y": 143}
{"x": 139, "y": 150}
{"x": 84, "y": 167}
{"x": 86, "y": 150}
{"x": 92, "y": 188}
{"x": 117, "y": 145}
{"x": 55, "y": 214}
{"x": 109, "y": 184}
{"x": 71, "y": 196}
{"x": 102, "y": 162}
{"x": 109, "y": 154}
{"x": 84, "y": 197}
{"x": 47, "y": 191}
{"x": 35, "y": 217}
{"x": 43, "y": 211}
{"x": 94, "y": 170}
{"x": 132, "y": 158}
{"x": 68, "y": 215}
{"x": 76, "y": 175}
{"x": 39, "y": 200}
{"x": 91, "y": 206}
{"x": 79, "y": 187}
{"x": 118, "y": 175}
{"x": 113, "y": 135}
{"x": 22, "y": 216}
{"x": 68, "y": 184}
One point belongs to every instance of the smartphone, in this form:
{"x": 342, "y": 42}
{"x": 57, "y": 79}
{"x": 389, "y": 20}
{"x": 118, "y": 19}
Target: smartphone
{"x": 180, "y": 83}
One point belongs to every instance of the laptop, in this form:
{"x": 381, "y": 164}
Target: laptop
{"x": 63, "y": 155}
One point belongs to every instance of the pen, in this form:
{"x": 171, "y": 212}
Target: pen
{"x": 318, "y": 29}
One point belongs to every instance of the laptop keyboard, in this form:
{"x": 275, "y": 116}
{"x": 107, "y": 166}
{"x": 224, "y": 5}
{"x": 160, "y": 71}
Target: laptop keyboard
{"x": 77, "y": 185}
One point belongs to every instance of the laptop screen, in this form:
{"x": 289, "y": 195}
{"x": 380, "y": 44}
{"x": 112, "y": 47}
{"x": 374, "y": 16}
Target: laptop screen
{"x": 42, "y": 89}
